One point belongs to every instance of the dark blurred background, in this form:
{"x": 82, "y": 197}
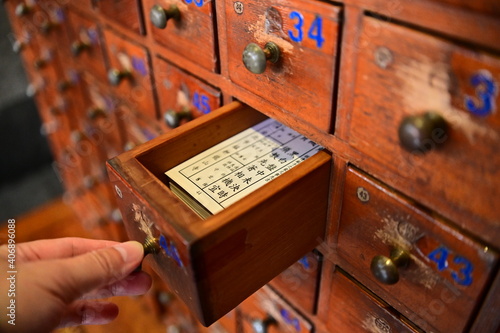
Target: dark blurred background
{"x": 27, "y": 178}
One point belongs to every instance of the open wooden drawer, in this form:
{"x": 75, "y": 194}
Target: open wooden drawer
{"x": 214, "y": 264}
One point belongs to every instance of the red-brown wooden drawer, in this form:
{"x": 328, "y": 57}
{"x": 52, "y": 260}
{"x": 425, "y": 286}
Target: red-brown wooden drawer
{"x": 300, "y": 282}
{"x": 306, "y": 33}
{"x": 132, "y": 61}
{"x": 190, "y": 34}
{"x": 265, "y": 311}
{"x": 351, "y": 309}
{"x": 491, "y": 7}
{"x": 126, "y": 13}
{"x": 183, "y": 94}
{"x": 404, "y": 73}
{"x": 447, "y": 271}
{"x": 86, "y": 45}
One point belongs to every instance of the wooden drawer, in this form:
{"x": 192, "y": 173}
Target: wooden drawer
{"x": 351, "y": 309}
{"x": 126, "y": 13}
{"x": 300, "y": 282}
{"x": 491, "y": 7}
{"x": 452, "y": 167}
{"x": 130, "y": 74}
{"x": 306, "y": 34}
{"x": 265, "y": 311}
{"x": 182, "y": 97}
{"x": 86, "y": 45}
{"x": 216, "y": 263}
{"x": 137, "y": 128}
{"x": 185, "y": 27}
{"x": 446, "y": 274}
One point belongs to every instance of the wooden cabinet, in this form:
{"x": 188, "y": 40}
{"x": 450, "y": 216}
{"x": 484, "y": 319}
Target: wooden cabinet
{"x": 394, "y": 227}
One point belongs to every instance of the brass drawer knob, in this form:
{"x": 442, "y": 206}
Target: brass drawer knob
{"x": 151, "y": 246}
{"x": 255, "y": 58}
{"x": 40, "y": 63}
{"x": 18, "y": 46}
{"x": 386, "y": 270}
{"x": 63, "y": 85}
{"x": 47, "y": 26}
{"x": 78, "y": 47}
{"x": 173, "y": 119}
{"x": 422, "y": 132}
{"x": 115, "y": 76}
{"x": 95, "y": 113}
{"x": 159, "y": 16}
{"x": 262, "y": 325}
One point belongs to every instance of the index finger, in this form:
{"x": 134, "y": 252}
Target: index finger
{"x": 59, "y": 248}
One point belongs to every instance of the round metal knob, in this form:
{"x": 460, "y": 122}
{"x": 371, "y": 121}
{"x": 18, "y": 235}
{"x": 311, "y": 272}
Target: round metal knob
{"x": 22, "y": 9}
{"x": 78, "y": 47}
{"x": 386, "y": 270}
{"x": 63, "y": 85}
{"x": 261, "y": 326}
{"x": 47, "y": 27}
{"x": 115, "y": 76}
{"x": 151, "y": 246}
{"x": 174, "y": 119}
{"x": 159, "y": 16}
{"x": 422, "y": 132}
{"x": 94, "y": 113}
{"x": 255, "y": 58}
{"x": 40, "y": 63}
{"x": 18, "y": 46}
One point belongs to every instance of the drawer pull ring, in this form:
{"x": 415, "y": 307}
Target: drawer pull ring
{"x": 422, "y": 133}
{"x": 260, "y": 326}
{"x": 386, "y": 269}
{"x": 115, "y": 76}
{"x": 159, "y": 16}
{"x": 255, "y": 58}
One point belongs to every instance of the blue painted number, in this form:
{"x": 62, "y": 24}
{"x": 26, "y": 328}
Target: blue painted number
{"x": 486, "y": 92}
{"x": 139, "y": 66}
{"x": 170, "y": 250}
{"x": 464, "y": 275}
{"x": 314, "y": 33}
{"x": 198, "y": 3}
{"x": 289, "y": 320}
{"x": 201, "y": 102}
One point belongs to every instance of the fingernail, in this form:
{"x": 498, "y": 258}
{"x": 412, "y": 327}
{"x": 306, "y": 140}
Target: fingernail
{"x": 130, "y": 251}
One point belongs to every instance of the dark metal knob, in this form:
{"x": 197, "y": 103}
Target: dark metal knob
{"x": 18, "y": 46}
{"x": 151, "y": 246}
{"x": 63, "y": 85}
{"x": 95, "y": 113}
{"x": 261, "y": 326}
{"x": 115, "y": 76}
{"x": 386, "y": 270}
{"x": 40, "y": 63}
{"x": 47, "y": 27}
{"x": 174, "y": 119}
{"x": 255, "y": 58}
{"x": 159, "y": 16}
{"x": 22, "y": 9}
{"x": 422, "y": 132}
{"x": 78, "y": 47}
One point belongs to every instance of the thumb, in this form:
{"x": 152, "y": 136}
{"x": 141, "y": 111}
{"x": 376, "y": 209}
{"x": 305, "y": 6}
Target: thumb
{"x": 96, "y": 269}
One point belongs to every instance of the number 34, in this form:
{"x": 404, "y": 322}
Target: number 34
{"x": 314, "y": 33}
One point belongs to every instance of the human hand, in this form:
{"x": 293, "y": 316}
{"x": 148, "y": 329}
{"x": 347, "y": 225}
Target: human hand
{"x": 58, "y": 280}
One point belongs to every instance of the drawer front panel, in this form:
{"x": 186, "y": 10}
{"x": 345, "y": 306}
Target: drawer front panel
{"x": 265, "y": 309}
{"x": 483, "y": 6}
{"x": 86, "y": 45}
{"x": 129, "y": 73}
{"x": 127, "y": 13}
{"x": 183, "y": 94}
{"x": 403, "y": 78}
{"x": 446, "y": 272}
{"x": 188, "y": 31}
{"x": 300, "y": 281}
{"x": 306, "y": 34}
{"x": 353, "y": 310}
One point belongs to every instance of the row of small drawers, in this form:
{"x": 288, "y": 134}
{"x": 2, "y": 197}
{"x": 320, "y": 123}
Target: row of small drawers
{"x": 401, "y": 73}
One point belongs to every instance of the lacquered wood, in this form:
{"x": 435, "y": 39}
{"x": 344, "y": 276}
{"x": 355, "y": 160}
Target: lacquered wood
{"x": 375, "y": 221}
{"x": 127, "y": 13}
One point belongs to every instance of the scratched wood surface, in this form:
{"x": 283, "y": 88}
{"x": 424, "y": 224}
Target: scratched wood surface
{"x": 192, "y": 36}
{"x": 447, "y": 271}
{"x": 127, "y": 13}
{"x": 304, "y": 37}
{"x": 428, "y": 74}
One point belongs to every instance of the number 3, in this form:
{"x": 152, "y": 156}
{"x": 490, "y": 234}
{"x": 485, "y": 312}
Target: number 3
{"x": 486, "y": 92}
{"x": 300, "y": 23}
